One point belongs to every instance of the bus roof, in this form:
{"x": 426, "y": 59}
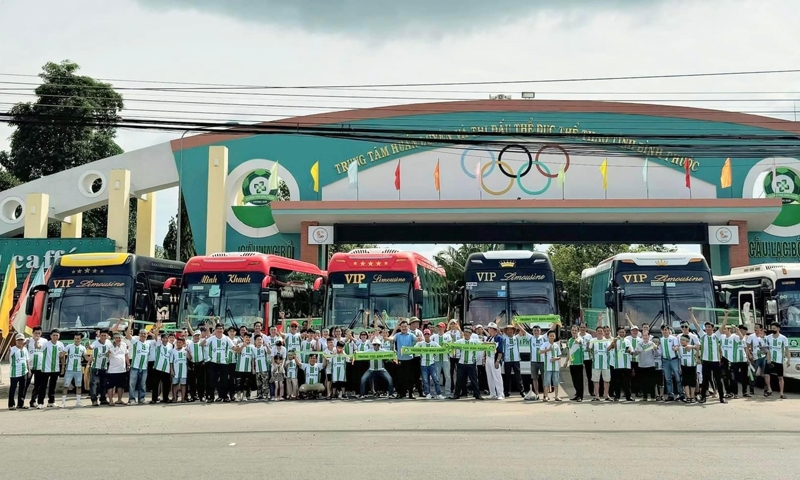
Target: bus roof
{"x": 380, "y": 259}
{"x": 656, "y": 258}
{"x": 116, "y": 259}
{"x": 588, "y": 272}
{"x": 773, "y": 271}
{"x": 247, "y": 262}
{"x": 507, "y": 259}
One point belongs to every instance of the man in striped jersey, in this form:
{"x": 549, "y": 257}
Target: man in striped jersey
{"x": 727, "y": 345}
{"x": 537, "y": 357}
{"x": 688, "y": 355}
{"x": 467, "y": 367}
{"x": 140, "y": 350}
{"x": 575, "y": 349}
{"x": 178, "y": 363}
{"x": 51, "y": 367}
{"x": 314, "y": 370}
{"x": 338, "y": 362}
{"x": 262, "y": 368}
{"x": 97, "y": 381}
{"x": 20, "y": 362}
{"x": 511, "y": 359}
{"x": 669, "y": 347}
{"x": 71, "y": 360}
{"x": 778, "y": 356}
{"x": 621, "y": 375}
{"x": 492, "y": 362}
{"x": 218, "y": 347}
{"x": 739, "y": 362}
{"x": 245, "y": 370}
{"x": 428, "y": 366}
{"x": 451, "y": 363}
{"x": 376, "y": 370}
{"x": 601, "y": 371}
{"x": 35, "y": 346}
{"x": 756, "y": 352}
{"x": 587, "y": 337}
{"x": 161, "y": 369}
{"x": 710, "y": 348}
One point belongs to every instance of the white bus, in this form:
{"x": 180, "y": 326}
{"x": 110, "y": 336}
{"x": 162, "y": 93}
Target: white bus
{"x": 764, "y": 294}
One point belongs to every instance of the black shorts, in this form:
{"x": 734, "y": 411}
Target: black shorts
{"x": 688, "y": 376}
{"x": 775, "y": 368}
{"x": 116, "y": 380}
{"x": 329, "y": 376}
{"x": 338, "y": 385}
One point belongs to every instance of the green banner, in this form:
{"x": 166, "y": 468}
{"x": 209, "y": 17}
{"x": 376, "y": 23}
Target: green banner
{"x": 305, "y": 353}
{"x": 471, "y": 347}
{"x": 537, "y": 319}
{"x": 30, "y": 254}
{"x": 373, "y": 355}
{"x": 425, "y": 350}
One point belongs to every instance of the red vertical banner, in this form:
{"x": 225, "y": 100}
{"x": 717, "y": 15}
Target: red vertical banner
{"x": 436, "y": 177}
{"x": 397, "y": 177}
{"x": 688, "y": 167}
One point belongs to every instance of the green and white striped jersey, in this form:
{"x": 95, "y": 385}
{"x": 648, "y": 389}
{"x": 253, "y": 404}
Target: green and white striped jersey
{"x": 232, "y": 357}
{"x": 141, "y": 352}
{"x": 710, "y": 346}
{"x": 218, "y": 349}
{"x": 99, "y": 354}
{"x": 162, "y": 357}
{"x": 727, "y": 343}
{"x": 536, "y": 347}
{"x": 468, "y": 357}
{"x": 364, "y": 346}
{"x": 18, "y": 361}
{"x": 739, "y": 345}
{"x": 600, "y": 354}
{"x": 688, "y": 357}
{"x": 291, "y": 369}
{"x": 427, "y": 359}
{"x": 244, "y": 363}
{"x": 777, "y": 347}
{"x": 755, "y": 343}
{"x": 178, "y": 359}
{"x": 552, "y": 359}
{"x": 634, "y": 343}
{"x": 51, "y": 357}
{"x": 439, "y": 339}
{"x": 667, "y": 343}
{"x": 575, "y": 351}
{"x": 512, "y": 349}
{"x": 197, "y": 353}
{"x": 36, "y": 353}
{"x": 312, "y": 372}
{"x": 74, "y": 355}
{"x": 261, "y": 359}
{"x": 338, "y": 365}
{"x": 622, "y": 359}
{"x": 293, "y": 341}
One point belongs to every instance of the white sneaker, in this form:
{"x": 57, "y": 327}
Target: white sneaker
{"x": 78, "y": 403}
{"x": 62, "y": 404}
{"x": 39, "y": 407}
{"x": 440, "y": 397}
{"x": 493, "y": 397}
{"x": 501, "y": 397}
{"x": 428, "y": 396}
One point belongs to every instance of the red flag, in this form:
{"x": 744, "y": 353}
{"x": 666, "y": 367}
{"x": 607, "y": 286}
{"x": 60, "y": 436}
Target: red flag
{"x": 21, "y": 299}
{"x": 687, "y": 166}
{"x": 35, "y": 320}
{"x": 397, "y": 177}
{"x": 436, "y": 177}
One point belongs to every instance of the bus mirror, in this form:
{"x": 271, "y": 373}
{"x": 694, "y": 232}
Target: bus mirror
{"x": 417, "y": 297}
{"x": 29, "y": 304}
{"x": 316, "y": 297}
{"x": 317, "y": 284}
{"x": 772, "y": 307}
{"x": 610, "y": 299}
{"x": 722, "y": 299}
{"x": 265, "y": 294}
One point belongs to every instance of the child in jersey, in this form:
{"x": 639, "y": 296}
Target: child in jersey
{"x": 263, "y": 369}
{"x": 291, "y": 377}
{"x": 327, "y": 352}
{"x": 179, "y": 367}
{"x": 688, "y": 356}
{"x": 73, "y": 373}
{"x": 245, "y": 371}
{"x": 277, "y": 377}
{"x": 338, "y": 370}
{"x": 552, "y": 365}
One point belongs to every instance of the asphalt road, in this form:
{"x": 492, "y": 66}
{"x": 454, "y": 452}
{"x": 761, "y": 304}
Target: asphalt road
{"x": 409, "y": 439}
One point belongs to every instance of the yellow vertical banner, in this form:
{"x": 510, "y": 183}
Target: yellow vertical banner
{"x": 315, "y": 175}
{"x": 7, "y": 296}
{"x": 604, "y": 172}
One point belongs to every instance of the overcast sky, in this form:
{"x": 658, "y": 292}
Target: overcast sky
{"x": 318, "y": 42}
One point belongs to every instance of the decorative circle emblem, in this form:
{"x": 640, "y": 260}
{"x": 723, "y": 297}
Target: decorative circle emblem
{"x": 723, "y": 235}
{"x": 506, "y": 170}
{"x": 320, "y": 235}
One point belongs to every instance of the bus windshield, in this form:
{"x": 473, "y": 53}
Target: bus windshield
{"x": 659, "y": 296}
{"x": 90, "y": 302}
{"x": 788, "y": 292}
{"x": 237, "y": 304}
{"x": 381, "y": 294}
{"x": 492, "y": 301}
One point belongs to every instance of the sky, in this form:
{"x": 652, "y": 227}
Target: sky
{"x": 318, "y": 42}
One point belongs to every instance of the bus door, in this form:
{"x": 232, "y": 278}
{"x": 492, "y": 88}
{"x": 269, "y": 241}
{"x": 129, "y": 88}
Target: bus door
{"x": 748, "y": 314}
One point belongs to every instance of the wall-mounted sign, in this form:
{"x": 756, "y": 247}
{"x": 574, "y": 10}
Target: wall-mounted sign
{"x": 723, "y": 235}
{"x": 320, "y": 235}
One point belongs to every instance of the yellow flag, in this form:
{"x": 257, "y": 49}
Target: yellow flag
{"x": 315, "y": 176}
{"x": 562, "y": 177}
{"x": 604, "y": 172}
{"x": 726, "y": 178}
{"x": 7, "y": 296}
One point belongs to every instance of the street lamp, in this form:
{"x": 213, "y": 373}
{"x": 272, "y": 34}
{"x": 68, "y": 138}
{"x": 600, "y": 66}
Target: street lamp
{"x": 180, "y": 195}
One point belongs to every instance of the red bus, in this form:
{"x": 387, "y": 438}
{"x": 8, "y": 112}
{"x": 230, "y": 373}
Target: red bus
{"x": 236, "y": 287}
{"x": 387, "y": 283}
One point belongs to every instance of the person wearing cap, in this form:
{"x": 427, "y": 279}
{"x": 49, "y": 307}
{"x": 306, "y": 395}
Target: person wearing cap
{"x": 405, "y": 370}
{"x": 20, "y": 362}
{"x": 196, "y": 374}
{"x": 511, "y": 359}
{"x": 245, "y": 369}
{"x": 467, "y": 367}
{"x": 376, "y": 370}
{"x": 669, "y": 347}
{"x": 35, "y": 347}
{"x": 119, "y": 362}
{"x": 492, "y": 362}
{"x": 416, "y": 372}
{"x": 441, "y": 363}
{"x": 338, "y": 361}
{"x": 634, "y": 338}
{"x": 483, "y": 383}
{"x": 452, "y": 335}
{"x": 428, "y": 366}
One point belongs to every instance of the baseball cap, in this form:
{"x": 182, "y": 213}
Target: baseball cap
{"x": 19, "y": 336}
{"x": 441, "y": 324}
{"x": 413, "y": 319}
{"x": 293, "y": 324}
{"x": 492, "y": 325}
{"x": 376, "y": 341}
{"x": 196, "y": 332}
{"x": 426, "y": 332}
{"x": 634, "y": 328}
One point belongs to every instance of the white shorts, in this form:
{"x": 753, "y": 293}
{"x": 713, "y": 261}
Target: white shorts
{"x": 604, "y": 375}
{"x": 76, "y": 378}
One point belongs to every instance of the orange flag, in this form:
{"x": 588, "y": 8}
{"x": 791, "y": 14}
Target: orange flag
{"x": 436, "y": 177}
{"x": 726, "y": 178}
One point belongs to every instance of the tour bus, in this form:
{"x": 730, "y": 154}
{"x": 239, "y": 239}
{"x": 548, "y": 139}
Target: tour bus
{"x": 243, "y": 288}
{"x": 511, "y": 286}
{"x": 372, "y": 285}
{"x": 765, "y": 294}
{"x": 87, "y": 291}
{"x": 656, "y": 288}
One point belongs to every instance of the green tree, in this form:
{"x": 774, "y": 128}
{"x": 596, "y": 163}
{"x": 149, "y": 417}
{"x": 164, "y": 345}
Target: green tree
{"x": 187, "y": 240}
{"x": 454, "y": 259}
{"x": 570, "y": 260}
{"x": 7, "y": 179}
{"x": 71, "y": 123}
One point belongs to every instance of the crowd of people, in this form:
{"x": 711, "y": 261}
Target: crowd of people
{"x": 213, "y": 364}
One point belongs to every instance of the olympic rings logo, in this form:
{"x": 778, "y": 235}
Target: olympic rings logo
{"x": 523, "y": 170}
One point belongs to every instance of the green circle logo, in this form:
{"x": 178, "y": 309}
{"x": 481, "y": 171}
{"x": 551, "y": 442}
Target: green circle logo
{"x": 256, "y": 190}
{"x": 784, "y": 183}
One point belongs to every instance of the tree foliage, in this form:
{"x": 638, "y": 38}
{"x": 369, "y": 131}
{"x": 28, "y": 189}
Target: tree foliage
{"x": 454, "y": 259}
{"x": 187, "y": 240}
{"x": 570, "y": 260}
{"x": 71, "y": 123}
{"x": 7, "y": 179}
